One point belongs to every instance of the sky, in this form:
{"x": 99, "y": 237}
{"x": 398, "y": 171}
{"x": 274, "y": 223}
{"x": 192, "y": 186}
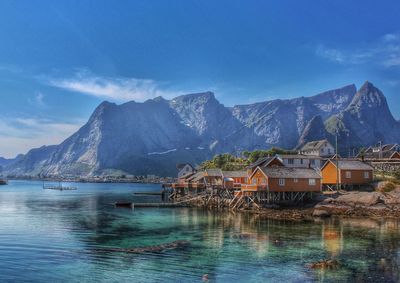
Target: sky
{"x": 60, "y": 59}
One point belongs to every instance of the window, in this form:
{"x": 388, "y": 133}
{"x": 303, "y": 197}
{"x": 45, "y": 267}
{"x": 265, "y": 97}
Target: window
{"x": 311, "y": 182}
{"x": 264, "y": 181}
{"x": 366, "y": 175}
{"x": 348, "y": 174}
{"x": 312, "y": 161}
{"x": 281, "y": 182}
{"x": 329, "y": 151}
{"x": 254, "y": 181}
{"x": 301, "y": 161}
{"x": 290, "y": 161}
{"x": 295, "y": 180}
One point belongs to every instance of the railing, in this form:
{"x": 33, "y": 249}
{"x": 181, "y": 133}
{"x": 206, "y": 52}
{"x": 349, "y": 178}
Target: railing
{"x": 254, "y": 187}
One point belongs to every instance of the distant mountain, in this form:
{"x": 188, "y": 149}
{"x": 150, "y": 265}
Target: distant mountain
{"x": 151, "y": 137}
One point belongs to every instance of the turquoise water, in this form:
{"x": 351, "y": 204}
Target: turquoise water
{"x": 53, "y": 236}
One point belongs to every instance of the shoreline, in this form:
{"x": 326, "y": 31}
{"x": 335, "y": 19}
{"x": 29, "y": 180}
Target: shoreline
{"x": 77, "y": 180}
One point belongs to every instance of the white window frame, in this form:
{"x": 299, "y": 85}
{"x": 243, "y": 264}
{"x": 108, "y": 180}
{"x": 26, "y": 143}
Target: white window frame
{"x": 312, "y": 182}
{"x": 348, "y": 174}
{"x": 295, "y": 180}
{"x": 366, "y": 174}
{"x": 290, "y": 161}
{"x": 281, "y": 182}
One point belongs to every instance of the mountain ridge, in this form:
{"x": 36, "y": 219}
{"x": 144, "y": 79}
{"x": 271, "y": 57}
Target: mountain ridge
{"x": 152, "y": 136}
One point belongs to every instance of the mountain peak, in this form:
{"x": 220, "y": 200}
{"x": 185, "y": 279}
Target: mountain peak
{"x": 208, "y": 95}
{"x": 368, "y": 96}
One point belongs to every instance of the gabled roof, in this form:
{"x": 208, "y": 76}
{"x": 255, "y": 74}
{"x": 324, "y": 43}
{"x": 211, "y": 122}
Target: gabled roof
{"x": 349, "y": 164}
{"x": 188, "y": 175}
{"x": 385, "y": 147}
{"x": 286, "y": 172}
{"x": 314, "y": 145}
{"x": 180, "y": 166}
{"x": 264, "y": 162}
{"x": 391, "y": 146}
{"x": 234, "y": 174}
{"x": 196, "y": 177}
{"x": 213, "y": 172}
{"x": 381, "y": 155}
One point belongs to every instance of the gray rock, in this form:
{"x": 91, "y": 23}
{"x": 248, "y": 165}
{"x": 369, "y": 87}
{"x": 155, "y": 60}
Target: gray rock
{"x": 360, "y": 198}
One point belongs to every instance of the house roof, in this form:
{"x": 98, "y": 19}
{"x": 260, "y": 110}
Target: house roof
{"x": 286, "y": 172}
{"x": 263, "y": 161}
{"x": 187, "y": 175}
{"x": 299, "y": 156}
{"x": 234, "y": 174}
{"x": 390, "y": 146}
{"x": 181, "y": 165}
{"x": 313, "y": 145}
{"x": 385, "y": 147}
{"x": 380, "y": 155}
{"x": 350, "y": 165}
{"x": 196, "y": 177}
{"x": 214, "y": 172}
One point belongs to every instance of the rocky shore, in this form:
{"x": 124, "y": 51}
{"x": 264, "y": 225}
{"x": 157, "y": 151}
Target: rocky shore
{"x": 370, "y": 204}
{"x": 345, "y": 204}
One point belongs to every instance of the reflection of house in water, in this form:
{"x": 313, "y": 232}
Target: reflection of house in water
{"x": 332, "y": 237}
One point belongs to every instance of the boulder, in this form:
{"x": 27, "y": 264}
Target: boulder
{"x": 320, "y": 213}
{"x": 360, "y": 198}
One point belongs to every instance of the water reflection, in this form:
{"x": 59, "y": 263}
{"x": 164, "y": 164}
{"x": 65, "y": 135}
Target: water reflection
{"x": 63, "y": 233}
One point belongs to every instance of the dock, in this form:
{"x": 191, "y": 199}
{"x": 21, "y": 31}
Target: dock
{"x": 148, "y": 193}
{"x": 161, "y": 204}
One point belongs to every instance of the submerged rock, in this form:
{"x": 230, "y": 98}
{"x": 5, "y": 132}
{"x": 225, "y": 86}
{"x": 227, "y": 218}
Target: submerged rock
{"x": 327, "y": 263}
{"x": 156, "y": 249}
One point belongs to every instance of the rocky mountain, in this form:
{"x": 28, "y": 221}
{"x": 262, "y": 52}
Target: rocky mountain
{"x": 151, "y": 137}
{"x": 366, "y": 120}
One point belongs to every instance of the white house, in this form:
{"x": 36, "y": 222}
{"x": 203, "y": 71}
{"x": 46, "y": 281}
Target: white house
{"x": 322, "y": 148}
{"x": 184, "y": 169}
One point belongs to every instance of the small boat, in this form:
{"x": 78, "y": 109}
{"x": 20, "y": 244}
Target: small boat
{"x": 124, "y": 204}
{"x": 3, "y": 182}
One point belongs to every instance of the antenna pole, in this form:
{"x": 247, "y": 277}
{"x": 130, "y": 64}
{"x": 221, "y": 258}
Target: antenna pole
{"x": 337, "y": 164}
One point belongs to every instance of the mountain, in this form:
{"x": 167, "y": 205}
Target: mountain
{"x": 151, "y": 137}
{"x": 366, "y": 120}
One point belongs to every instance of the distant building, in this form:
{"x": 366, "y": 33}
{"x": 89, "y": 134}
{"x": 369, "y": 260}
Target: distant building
{"x": 387, "y": 152}
{"x": 184, "y": 169}
{"x": 302, "y": 161}
{"x": 320, "y": 148}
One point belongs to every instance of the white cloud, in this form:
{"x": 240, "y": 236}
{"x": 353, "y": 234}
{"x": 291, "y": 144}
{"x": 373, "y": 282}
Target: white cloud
{"x": 385, "y": 52}
{"x": 22, "y": 134}
{"x": 118, "y": 89}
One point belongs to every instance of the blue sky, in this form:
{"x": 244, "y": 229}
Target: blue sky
{"x": 60, "y": 59}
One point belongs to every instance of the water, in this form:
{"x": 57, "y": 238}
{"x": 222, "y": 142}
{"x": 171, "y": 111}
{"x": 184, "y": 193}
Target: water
{"x": 53, "y": 236}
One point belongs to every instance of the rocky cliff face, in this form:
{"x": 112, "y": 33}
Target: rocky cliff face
{"x": 366, "y": 120}
{"x": 151, "y": 137}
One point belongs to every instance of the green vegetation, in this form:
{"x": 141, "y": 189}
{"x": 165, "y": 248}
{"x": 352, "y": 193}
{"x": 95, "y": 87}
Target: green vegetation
{"x": 229, "y": 162}
{"x": 225, "y": 162}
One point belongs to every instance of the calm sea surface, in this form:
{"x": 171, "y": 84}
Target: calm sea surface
{"x": 53, "y": 236}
